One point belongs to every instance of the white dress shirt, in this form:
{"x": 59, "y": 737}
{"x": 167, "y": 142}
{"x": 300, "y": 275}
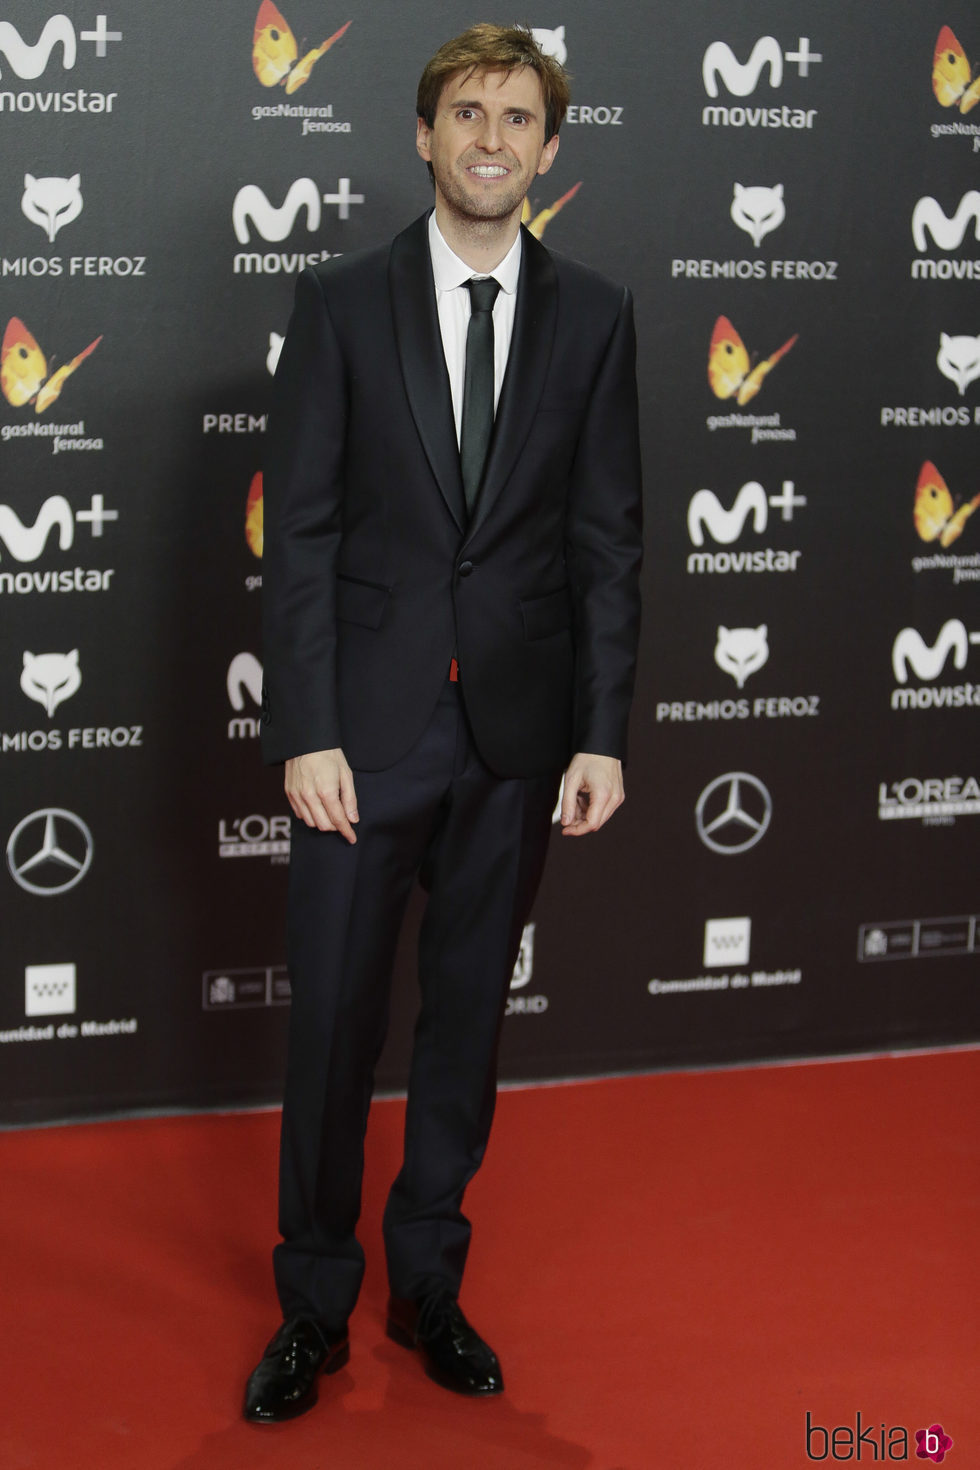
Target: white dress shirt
{"x": 453, "y": 304}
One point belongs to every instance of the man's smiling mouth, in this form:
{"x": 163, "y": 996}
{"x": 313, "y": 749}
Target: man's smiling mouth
{"x": 488, "y": 170}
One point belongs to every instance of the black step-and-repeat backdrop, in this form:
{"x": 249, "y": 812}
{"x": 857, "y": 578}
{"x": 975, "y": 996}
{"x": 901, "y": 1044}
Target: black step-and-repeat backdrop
{"x": 794, "y": 194}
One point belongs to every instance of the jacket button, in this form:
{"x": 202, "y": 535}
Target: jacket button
{"x": 465, "y": 568}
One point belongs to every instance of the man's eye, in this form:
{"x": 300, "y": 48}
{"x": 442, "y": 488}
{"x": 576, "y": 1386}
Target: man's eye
{"x": 465, "y": 114}
{"x": 518, "y": 117}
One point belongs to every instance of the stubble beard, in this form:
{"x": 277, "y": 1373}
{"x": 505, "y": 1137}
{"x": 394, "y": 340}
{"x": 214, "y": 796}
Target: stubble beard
{"x": 481, "y": 215}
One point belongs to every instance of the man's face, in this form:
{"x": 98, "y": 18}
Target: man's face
{"x": 487, "y": 142}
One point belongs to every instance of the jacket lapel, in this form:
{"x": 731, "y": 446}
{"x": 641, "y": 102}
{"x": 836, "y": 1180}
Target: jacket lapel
{"x": 423, "y": 362}
{"x": 527, "y": 368}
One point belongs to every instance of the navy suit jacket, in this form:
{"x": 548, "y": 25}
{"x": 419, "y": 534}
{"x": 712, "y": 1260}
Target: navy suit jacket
{"x": 372, "y": 577}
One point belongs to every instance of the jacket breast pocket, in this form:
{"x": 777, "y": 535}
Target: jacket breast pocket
{"x": 361, "y": 602}
{"x": 570, "y": 403}
{"x": 547, "y": 615}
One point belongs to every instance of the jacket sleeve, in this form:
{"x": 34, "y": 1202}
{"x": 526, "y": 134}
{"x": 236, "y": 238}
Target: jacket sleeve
{"x": 604, "y": 547}
{"x": 303, "y": 500}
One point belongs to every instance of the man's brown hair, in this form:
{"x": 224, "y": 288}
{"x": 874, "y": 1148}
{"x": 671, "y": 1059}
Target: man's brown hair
{"x": 487, "y": 47}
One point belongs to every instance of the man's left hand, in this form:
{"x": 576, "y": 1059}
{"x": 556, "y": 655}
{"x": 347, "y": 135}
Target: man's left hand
{"x": 593, "y": 791}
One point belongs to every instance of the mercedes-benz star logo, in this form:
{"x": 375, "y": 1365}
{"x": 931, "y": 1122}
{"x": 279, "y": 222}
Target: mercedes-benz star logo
{"x": 733, "y": 812}
{"x": 54, "y": 847}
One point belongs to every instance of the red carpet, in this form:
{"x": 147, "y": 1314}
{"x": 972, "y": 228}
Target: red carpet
{"x": 674, "y": 1270}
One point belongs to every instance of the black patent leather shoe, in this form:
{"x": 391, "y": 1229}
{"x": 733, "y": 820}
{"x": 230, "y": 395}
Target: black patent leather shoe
{"x": 284, "y": 1383}
{"x": 454, "y": 1354}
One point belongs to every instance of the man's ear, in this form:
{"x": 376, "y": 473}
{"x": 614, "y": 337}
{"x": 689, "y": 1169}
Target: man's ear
{"x": 422, "y": 132}
{"x": 548, "y": 155}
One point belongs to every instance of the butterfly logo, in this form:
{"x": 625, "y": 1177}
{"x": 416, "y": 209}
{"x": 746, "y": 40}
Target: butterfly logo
{"x": 538, "y": 223}
{"x": 730, "y": 370}
{"x": 934, "y": 514}
{"x": 951, "y": 74}
{"x": 24, "y": 368}
{"x": 253, "y": 515}
{"x": 274, "y": 50}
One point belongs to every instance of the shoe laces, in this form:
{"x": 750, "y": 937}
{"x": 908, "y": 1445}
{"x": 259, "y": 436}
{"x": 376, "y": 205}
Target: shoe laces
{"x": 435, "y": 1311}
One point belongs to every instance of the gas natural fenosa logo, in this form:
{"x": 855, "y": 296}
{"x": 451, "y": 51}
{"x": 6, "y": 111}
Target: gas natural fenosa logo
{"x": 935, "y": 514}
{"x": 24, "y": 368}
{"x": 275, "y": 54}
{"x": 538, "y": 223}
{"x": 952, "y": 74}
{"x": 730, "y": 370}
{"x": 254, "y": 516}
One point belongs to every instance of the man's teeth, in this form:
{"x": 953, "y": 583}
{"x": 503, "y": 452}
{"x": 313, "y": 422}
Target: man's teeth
{"x": 488, "y": 171}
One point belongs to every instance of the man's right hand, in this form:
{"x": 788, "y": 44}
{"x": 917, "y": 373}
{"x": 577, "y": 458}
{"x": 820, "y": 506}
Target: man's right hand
{"x": 320, "y": 789}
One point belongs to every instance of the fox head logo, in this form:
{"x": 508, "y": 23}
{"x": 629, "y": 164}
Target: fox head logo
{"x": 552, "y": 43}
{"x": 741, "y": 651}
{"x": 52, "y": 203}
{"x": 50, "y": 678}
{"x": 959, "y": 359}
{"x": 758, "y": 210}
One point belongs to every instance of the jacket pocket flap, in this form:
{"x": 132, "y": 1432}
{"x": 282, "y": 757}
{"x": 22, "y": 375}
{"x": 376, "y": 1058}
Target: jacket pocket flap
{"x": 361, "y": 602}
{"x": 546, "y": 615}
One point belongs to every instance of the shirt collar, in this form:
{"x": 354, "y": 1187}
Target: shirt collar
{"x": 449, "y": 271}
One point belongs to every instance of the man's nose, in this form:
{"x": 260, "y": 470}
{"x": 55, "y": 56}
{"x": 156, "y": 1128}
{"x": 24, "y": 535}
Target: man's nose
{"x": 490, "y": 140}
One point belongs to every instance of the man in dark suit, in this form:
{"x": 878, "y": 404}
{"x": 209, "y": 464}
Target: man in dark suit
{"x": 452, "y": 546}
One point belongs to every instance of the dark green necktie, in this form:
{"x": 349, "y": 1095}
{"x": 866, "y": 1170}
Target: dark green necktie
{"x": 477, "y": 425}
